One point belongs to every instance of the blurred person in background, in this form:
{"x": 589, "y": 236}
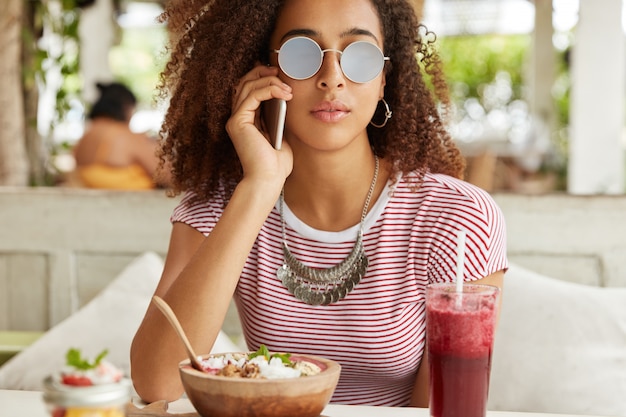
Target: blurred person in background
{"x": 111, "y": 156}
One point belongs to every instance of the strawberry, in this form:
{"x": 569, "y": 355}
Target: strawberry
{"x": 76, "y": 380}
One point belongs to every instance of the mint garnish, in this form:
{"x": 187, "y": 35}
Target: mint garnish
{"x": 73, "y": 358}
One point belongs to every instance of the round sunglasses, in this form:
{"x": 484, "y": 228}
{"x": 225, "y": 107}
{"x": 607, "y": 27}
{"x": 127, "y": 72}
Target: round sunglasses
{"x": 301, "y": 58}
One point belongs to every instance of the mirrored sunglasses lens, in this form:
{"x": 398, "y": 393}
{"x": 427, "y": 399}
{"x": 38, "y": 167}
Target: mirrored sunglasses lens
{"x": 300, "y": 58}
{"x": 362, "y": 61}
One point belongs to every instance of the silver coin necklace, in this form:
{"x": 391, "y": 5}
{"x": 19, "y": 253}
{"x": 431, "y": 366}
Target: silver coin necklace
{"x": 317, "y": 286}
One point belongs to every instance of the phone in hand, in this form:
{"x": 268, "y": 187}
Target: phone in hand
{"x": 274, "y": 111}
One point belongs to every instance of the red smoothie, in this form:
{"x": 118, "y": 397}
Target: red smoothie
{"x": 460, "y": 335}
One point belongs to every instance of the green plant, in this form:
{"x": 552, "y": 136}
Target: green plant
{"x": 138, "y": 60}
{"x": 486, "y": 75}
{"x": 51, "y": 45}
{"x": 470, "y": 62}
{"x": 60, "y": 54}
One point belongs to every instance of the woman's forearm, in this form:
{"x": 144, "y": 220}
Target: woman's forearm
{"x": 199, "y": 291}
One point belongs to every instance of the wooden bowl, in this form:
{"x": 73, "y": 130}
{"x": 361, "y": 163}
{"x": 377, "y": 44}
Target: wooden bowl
{"x": 220, "y": 396}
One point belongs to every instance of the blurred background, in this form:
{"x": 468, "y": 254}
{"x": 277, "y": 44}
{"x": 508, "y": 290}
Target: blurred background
{"x": 538, "y": 86}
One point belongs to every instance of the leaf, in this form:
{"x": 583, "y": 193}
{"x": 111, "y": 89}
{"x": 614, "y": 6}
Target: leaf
{"x": 100, "y": 357}
{"x": 264, "y": 351}
{"x": 74, "y": 359}
{"x": 283, "y": 357}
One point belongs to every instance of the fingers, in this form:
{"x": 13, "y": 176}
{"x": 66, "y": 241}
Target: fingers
{"x": 257, "y": 73}
{"x": 260, "y": 84}
{"x": 258, "y": 158}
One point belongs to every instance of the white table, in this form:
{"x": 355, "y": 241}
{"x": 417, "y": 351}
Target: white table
{"x": 30, "y": 404}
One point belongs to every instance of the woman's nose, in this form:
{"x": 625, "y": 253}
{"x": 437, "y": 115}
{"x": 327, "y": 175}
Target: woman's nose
{"x": 330, "y": 74}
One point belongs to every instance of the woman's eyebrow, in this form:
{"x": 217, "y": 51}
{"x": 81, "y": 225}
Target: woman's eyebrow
{"x": 358, "y": 31}
{"x": 313, "y": 33}
{"x": 299, "y": 32}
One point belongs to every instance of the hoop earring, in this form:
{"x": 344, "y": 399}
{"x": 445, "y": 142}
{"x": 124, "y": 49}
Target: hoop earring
{"x": 387, "y": 115}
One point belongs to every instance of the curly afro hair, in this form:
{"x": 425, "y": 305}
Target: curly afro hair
{"x": 215, "y": 42}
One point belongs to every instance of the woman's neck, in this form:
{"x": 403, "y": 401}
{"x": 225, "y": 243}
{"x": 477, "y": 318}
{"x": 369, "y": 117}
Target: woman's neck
{"x": 329, "y": 192}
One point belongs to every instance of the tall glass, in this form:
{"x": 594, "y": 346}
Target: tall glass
{"x": 459, "y": 334}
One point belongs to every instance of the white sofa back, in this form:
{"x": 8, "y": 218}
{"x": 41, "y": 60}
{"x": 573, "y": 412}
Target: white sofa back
{"x": 59, "y": 247}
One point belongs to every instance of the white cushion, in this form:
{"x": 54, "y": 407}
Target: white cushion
{"x": 560, "y": 347}
{"x": 108, "y": 321}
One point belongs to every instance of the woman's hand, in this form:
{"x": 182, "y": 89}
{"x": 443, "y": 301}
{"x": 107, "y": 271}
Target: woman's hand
{"x": 246, "y": 129}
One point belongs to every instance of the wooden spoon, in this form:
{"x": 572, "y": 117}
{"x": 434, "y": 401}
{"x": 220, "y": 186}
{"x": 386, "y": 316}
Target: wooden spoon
{"x": 171, "y": 317}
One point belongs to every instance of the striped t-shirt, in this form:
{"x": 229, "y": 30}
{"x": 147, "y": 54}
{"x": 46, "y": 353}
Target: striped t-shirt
{"x": 377, "y": 331}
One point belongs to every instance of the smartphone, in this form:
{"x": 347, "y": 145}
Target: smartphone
{"x": 274, "y": 111}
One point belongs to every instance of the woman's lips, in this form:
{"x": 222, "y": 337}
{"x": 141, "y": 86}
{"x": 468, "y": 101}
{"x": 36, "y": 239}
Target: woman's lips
{"x": 330, "y": 116}
{"x": 330, "y": 111}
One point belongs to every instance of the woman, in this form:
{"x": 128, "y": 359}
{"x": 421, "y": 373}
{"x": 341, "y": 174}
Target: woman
{"x": 109, "y": 155}
{"x": 366, "y": 197}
